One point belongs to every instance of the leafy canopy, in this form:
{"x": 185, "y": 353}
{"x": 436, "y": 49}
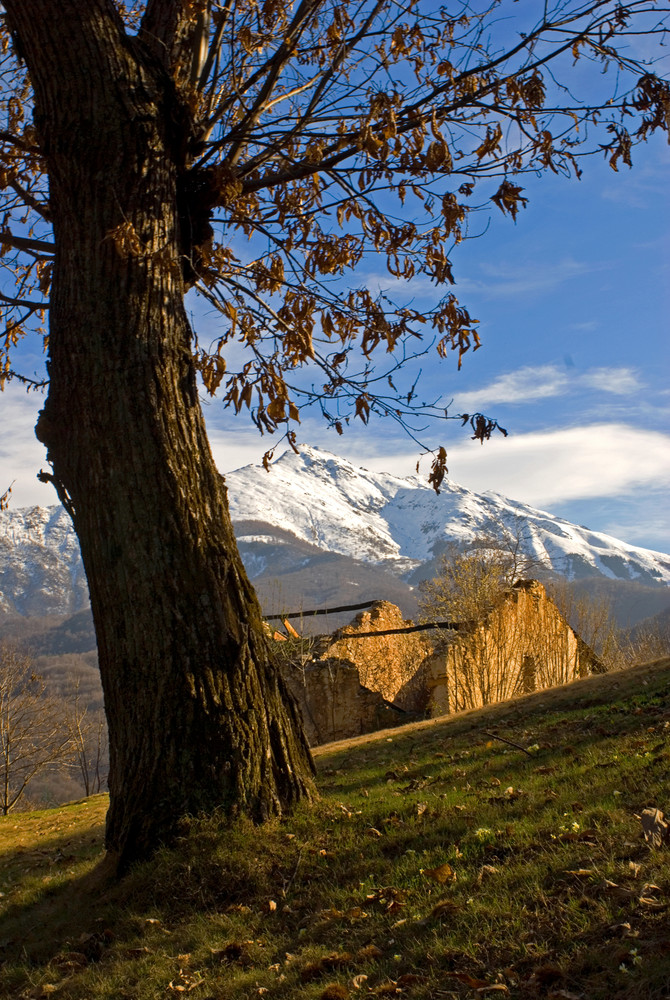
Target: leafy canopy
{"x": 319, "y": 136}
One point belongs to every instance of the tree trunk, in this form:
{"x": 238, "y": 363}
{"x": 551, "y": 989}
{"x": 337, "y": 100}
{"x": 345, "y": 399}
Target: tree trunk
{"x": 198, "y": 715}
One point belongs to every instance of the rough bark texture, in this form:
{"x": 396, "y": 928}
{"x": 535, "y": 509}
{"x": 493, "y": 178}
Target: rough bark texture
{"x": 198, "y": 716}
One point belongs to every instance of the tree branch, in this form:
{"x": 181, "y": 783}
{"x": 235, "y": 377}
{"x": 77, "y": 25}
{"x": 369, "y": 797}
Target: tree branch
{"x": 40, "y": 207}
{"x": 23, "y": 243}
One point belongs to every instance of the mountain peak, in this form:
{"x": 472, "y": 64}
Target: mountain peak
{"x": 399, "y": 523}
{"x": 323, "y": 505}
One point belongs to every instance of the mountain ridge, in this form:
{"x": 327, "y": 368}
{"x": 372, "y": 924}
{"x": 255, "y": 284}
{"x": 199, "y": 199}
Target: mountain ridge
{"x": 313, "y": 505}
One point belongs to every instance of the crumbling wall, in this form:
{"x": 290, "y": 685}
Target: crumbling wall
{"x": 523, "y": 644}
{"x": 388, "y": 664}
{"x": 360, "y": 682}
{"x": 334, "y": 703}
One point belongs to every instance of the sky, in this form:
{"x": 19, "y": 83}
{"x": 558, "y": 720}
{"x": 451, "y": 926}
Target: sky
{"x": 573, "y": 302}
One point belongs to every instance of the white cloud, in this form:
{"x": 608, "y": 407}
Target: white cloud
{"x": 521, "y": 386}
{"x": 21, "y": 454}
{"x": 240, "y": 446}
{"x": 526, "y": 277}
{"x": 620, "y": 381}
{"x": 547, "y": 467}
{"x": 525, "y": 385}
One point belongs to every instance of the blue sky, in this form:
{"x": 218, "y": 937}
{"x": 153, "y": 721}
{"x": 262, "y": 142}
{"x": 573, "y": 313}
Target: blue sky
{"x": 573, "y": 302}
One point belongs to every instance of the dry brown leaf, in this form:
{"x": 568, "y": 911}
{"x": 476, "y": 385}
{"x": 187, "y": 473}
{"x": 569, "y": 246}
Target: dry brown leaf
{"x": 442, "y": 874}
{"x": 652, "y": 904}
{"x": 236, "y": 951}
{"x": 326, "y": 963}
{"x": 441, "y": 909}
{"x": 368, "y": 953}
{"x": 656, "y": 830}
{"x": 411, "y": 979}
{"x": 467, "y": 979}
{"x": 335, "y": 991}
{"x": 387, "y": 989}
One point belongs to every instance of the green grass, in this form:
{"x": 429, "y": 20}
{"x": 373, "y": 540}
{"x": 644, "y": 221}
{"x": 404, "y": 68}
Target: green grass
{"x": 439, "y": 862}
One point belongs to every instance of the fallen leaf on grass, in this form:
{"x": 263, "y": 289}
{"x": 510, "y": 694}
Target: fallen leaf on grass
{"x": 368, "y": 953}
{"x": 387, "y": 989}
{"x": 652, "y": 904}
{"x": 410, "y": 979}
{"x": 358, "y": 981}
{"x": 335, "y": 991}
{"x": 235, "y": 952}
{"x": 616, "y": 890}
{"x": 467, "y": 980}
{"x": 184, "y": 984}
{"x": 485, "y": 871}
{"x": 325, "y": 964}
{"x": 69, "y": 960}
{"x": 547, "y": 974}
{"x": 441, "y": 909}
{"x": 624, "y": 930}
{"x": 442, "y": 874}
{"x": 656, "y": 830}
{"x": 494, "y": 987}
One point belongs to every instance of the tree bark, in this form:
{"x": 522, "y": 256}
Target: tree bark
{"x": 199, "y": 717}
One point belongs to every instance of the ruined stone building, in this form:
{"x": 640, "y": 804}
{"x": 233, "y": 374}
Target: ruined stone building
{"x": 361, "y": 679}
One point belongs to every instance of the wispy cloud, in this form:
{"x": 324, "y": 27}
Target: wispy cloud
{"x": 619, "y": 381}
{"x": 522, "y": 386}
{"x": 528, "y": 384}
{"x": 21, "y": 454}
{"x": 526, "y": 277}
{"x": 549, "y": 467}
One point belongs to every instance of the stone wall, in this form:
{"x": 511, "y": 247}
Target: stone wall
{"x": 359, "y": 682}
{"x": 388, "y": 664}
{"x": 334, "y": 703}
{"x": 523, "y": 644}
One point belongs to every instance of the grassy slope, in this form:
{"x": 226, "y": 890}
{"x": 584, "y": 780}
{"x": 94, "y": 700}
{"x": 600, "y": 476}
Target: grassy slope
{"x": 440, "y": 862}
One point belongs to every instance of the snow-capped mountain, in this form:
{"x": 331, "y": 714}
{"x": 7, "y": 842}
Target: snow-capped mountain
{"x": 314, "y": 507}
{"x": 402, "y": 523}
{"x": 41, "y": 571}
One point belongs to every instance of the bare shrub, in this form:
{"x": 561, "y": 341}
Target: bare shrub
{"x": 33, "y": 734}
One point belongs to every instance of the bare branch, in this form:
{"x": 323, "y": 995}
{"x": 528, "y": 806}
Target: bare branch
{"x": 8, "y": 239}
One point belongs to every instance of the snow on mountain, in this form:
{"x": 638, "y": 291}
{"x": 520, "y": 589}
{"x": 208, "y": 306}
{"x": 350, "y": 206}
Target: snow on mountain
{"x": 41, "y": 571}
{"x": 324, "y": 504}
{"x": 402, "y": 523}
